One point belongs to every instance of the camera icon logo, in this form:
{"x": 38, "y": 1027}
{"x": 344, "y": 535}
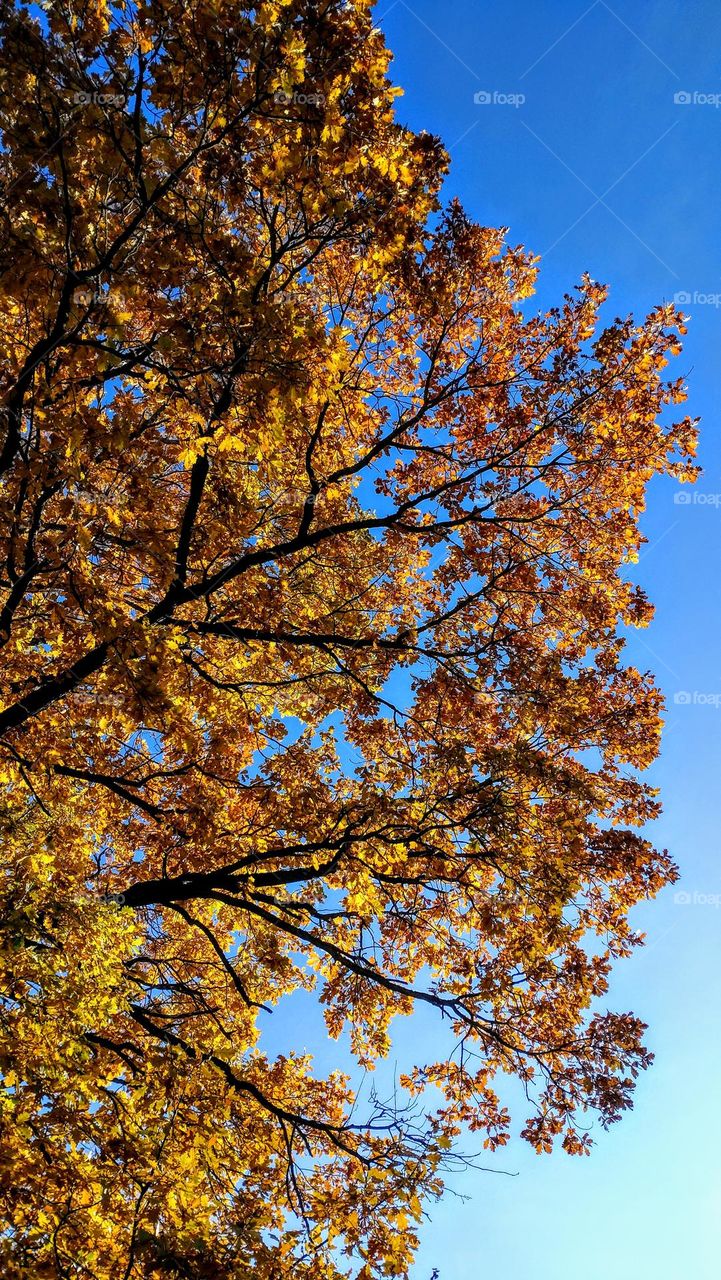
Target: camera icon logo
{"x": 482, "y": 97}
{"x": 683, "y": 98}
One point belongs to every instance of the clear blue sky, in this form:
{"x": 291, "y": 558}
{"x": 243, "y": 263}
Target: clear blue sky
{"x": 601, "y": 170}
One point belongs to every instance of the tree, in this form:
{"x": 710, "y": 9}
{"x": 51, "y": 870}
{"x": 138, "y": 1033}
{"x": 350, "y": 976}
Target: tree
{"x": 313, "y": 582}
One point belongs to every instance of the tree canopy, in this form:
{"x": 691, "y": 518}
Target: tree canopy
{"x": 314, "y": 548}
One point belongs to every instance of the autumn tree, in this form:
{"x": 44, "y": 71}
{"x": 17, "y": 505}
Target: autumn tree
{"x": 314, "y": 547}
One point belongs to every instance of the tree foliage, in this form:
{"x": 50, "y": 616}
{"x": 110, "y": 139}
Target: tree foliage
{"x": 313, "y": 566}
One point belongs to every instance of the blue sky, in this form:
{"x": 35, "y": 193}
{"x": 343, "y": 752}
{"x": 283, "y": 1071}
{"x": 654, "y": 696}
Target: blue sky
{"x": 602, "y": 168}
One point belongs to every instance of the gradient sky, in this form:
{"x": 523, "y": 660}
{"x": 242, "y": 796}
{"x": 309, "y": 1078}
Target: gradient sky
{"x": 601, "y": 170}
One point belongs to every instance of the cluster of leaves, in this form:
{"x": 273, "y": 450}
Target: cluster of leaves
{"x": 312, "y": 548}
